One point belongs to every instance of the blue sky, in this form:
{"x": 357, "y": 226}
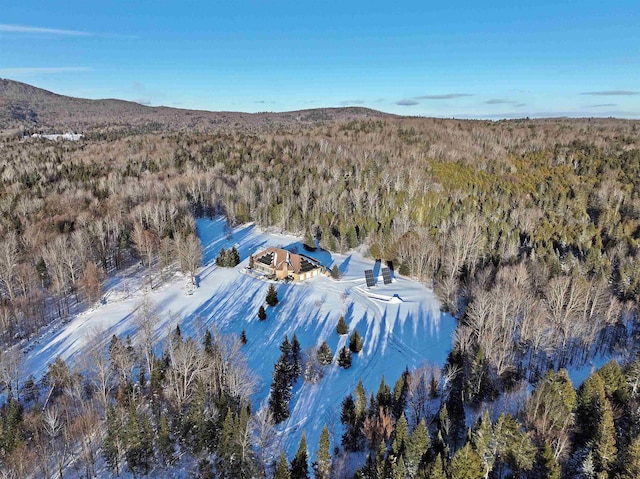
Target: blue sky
{"x": 460, "y": 58}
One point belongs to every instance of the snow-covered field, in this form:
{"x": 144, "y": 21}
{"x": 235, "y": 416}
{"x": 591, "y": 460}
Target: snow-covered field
{"x": 401, "y": 323}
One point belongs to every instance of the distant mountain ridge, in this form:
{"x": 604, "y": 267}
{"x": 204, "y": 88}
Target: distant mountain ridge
{"x": 24, "y": 106}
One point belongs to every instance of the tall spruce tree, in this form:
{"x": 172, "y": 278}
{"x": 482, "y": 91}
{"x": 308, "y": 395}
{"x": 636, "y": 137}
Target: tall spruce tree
{"x": 437, "y": 470}
{"x": 296, "y": 367}
{"x": 324, "y": 354}
{"x": 208, "y": 343}
{"x": 165, "y": 443}
{"x": 589, "y": 408}
{"x": 355, "y": 342}
{"x": 351, "y": 438}
{"x": 344, "y": 358}
{"x": 299, "y": 464}
{"x": 111, "y": 447}
{"x": 466, "y": 464}
{"x": 630, "y": 466}
{"x": 547, "y": 466}
{"x": 146, "y": 445}
{"x": 322, "y": 466}
{"x": 234, "y": 257}
{"x": 360, "y": 399}
{"x": 399, "y": 469}
{"x": 335, "y": 272}
{"x": 280, "y": 392}
{"x": 272, "y": 296}
{"x": 513, "y": 445}
{"x": 604, "y": 444}
{"x": 133, "y": 441}
{"x": 417, "y": 448}
{"x": 284, "y": 375}
{"x": 484, "y": 443}
{"x": 383, "y": 397}
{"x": 282, "y": 468}
{"x": 400, "y": 394}
{"x": 401, "y": 437}
{"x": 342, "y": 327}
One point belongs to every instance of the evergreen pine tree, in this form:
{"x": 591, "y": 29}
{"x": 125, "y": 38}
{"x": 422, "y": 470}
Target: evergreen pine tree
{"x": 221, "y": 260}
{"x": 444, "y": 424}
{"x": 401, "y": 437}
{"x": 588, "y": 468}
{"x": 513, "y": 445}
{"x": 324, "y": 354}
{"x": 547, "y": 466}
{"x": 322, "y": 466}
{"x": 399, "y": 470}
{"x": 309, "y": 242}
{"x": 417, "y": 448}
{"x": 234, "y": 257}
{"x": 360, "y": 399}
{"x": 631, "y": 464}
{"x": 282, "y": 383}
{"x": 296, "y": 371}
{"x": 382, "y": 463}
{"x": 437, "y": 469}
{"x": 243, "y": 337}
{"x": 615, "y": 383}
{"x": 604, "y": 447}
{"x": 383, "y": 397}
{"x": 208, "y": 342}
{"x": 335, "y": 272}
{"x": 484, "y": 443}
{"x": 299, "y": 465}
{"x": 351, "y": 436}
{"x": 111, "y": 446}
{"x": 280, "y": 395}
{"x": 355, "y": 342}
{"x": 146, "y": 445}
{"x": 352, "y": 237}
{"x": 165, "y": 443}
{"x": 282, "y": 468}
{"x": 262, "y": 314}
{"x": 589, "y": 408}
{"x": 133, "y": 441}
{"x": 272, "y": 295}
{"x": 225, "y": 465}
{"x": 344, "y": 358}
{"x": 466, "y": 464}
{"x": 400, "y": 394}
{"x": 342, "y": 327}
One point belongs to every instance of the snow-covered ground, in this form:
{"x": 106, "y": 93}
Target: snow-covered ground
{"x": 401, "y": 323}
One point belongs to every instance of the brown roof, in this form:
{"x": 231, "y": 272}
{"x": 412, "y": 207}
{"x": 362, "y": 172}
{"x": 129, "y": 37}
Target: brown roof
{"x": 281, "y": 259}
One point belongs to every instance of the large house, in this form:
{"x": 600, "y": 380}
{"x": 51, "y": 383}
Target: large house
{"x": 283, "y": 264}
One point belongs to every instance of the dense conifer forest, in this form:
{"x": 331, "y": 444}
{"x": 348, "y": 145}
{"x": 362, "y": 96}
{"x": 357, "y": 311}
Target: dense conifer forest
{"x": 528, "y": 230}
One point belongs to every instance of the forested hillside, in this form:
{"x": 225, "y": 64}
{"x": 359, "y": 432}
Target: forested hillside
{"x": 528, "y": 230}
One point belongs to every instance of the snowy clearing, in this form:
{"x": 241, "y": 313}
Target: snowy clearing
{"x": 401, "y": 323}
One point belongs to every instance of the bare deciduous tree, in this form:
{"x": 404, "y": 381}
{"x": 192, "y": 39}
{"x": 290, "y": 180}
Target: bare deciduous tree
{"x": 264, "y": 437}
{"x": 187, "y": 364}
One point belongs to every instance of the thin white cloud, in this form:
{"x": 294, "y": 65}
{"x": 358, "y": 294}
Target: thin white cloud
{"x": 612, "y": 93}
{"x": 29, "y": 71}
{"x": 407, "y": 102}
{"x": 446, "y": 96}
{"x": 5, "y": 27}
{"x": 500, "y": 101}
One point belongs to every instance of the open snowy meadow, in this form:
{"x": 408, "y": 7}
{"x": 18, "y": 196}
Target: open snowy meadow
{"x": 401, "y": 323}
